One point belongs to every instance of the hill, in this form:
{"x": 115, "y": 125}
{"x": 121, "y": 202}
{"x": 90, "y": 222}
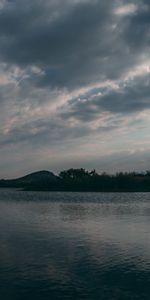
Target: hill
{"x": 36, "y": 180}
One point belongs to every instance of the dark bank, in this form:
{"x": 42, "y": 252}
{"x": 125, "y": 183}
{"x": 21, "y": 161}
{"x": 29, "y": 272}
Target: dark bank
{"x": 80, "y": 180}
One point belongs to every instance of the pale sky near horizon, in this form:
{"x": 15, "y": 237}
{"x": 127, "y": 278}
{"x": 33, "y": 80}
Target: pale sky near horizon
{"x": 74, "y": 85}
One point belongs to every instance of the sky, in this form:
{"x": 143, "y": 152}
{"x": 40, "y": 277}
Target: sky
{"x": 74, "y": 85}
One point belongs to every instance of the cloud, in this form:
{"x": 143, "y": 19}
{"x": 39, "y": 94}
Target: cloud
{"x": 53, "y": 36}
{"x": 129, "y": 97}
{"x": 73, "y": 43}
{"x": 72, "y": 74}
{"x": 137, "y": 29}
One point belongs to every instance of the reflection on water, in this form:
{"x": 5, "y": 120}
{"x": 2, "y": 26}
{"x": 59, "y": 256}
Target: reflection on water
{"x": 74, "y": 246}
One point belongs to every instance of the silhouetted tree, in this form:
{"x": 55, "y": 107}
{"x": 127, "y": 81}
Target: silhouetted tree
{"x": 73, "y": 173}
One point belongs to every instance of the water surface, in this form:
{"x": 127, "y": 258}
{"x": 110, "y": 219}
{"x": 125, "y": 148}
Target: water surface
{"x": 74, "y": 246}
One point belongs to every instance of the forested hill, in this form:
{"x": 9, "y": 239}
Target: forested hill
{"x": 81, "y": 180}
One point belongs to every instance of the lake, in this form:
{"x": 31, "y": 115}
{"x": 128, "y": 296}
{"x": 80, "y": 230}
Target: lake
{"x": 74, "y": 246}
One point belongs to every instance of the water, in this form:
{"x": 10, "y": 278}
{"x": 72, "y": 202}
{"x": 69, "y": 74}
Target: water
{"x": 74, "y": 246}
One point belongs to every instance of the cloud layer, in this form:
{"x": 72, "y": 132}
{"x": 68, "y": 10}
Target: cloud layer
{"x": 73, "y": 74}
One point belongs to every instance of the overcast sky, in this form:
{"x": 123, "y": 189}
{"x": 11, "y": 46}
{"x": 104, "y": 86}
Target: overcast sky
{"x": 74, "y": 85}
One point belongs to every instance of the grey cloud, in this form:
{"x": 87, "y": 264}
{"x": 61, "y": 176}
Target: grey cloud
{"x": 42, "y": 132}
{"x": 137, "y": 28}
{"x": 73, "y": 42}
{"x": 51, "y": 131}
{"x": 132, "y": 97}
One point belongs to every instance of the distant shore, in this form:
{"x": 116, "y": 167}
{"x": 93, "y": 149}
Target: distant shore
{"x": 80, "y": 180}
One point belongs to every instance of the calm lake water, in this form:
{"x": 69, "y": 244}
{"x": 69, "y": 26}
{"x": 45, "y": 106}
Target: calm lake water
{"x": 74, "y": 246}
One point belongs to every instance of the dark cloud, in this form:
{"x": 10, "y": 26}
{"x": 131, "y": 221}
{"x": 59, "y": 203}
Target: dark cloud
{"x": 73, "y": 42}
{"x": 56, "y": 37}
{"x": 130, "y": 97}
{"x": 137, "y": 28}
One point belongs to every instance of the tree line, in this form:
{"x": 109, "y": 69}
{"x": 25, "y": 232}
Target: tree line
{"x": 82, "y": 180}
